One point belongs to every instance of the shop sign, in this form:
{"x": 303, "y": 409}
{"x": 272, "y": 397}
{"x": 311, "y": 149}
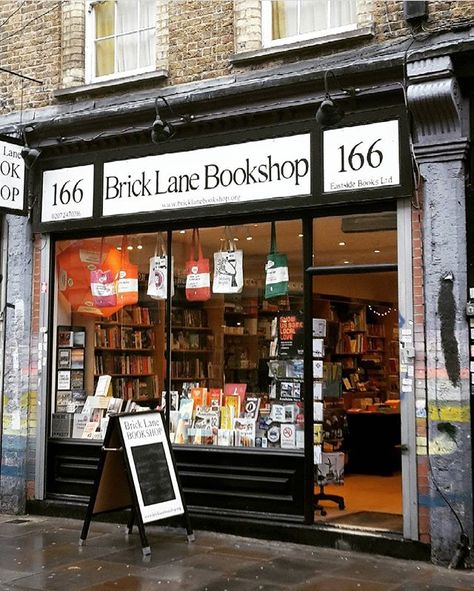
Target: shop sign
{"x": 361, "y": 157}
{"x": 263, "y": 169}
{"x": 68, "y": 193}
{"x": 12, "y": 178}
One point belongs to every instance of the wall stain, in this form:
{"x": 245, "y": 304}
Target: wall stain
{"x": 449, "y": 344}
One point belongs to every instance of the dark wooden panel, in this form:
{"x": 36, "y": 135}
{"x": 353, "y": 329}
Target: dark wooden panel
{"x": 242, "y": 480}
{"x": 263, "y": 482}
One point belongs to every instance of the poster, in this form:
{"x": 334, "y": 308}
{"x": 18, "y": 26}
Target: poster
{"x": 290, "y": 335}
{"x": 151, "y": 466}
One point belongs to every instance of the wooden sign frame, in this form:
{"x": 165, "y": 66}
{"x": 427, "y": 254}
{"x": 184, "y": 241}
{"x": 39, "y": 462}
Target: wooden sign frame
{"x": 137, "y": 471}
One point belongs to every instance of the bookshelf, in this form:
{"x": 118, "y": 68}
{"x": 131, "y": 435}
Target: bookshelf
{"x": 124, "y": 348}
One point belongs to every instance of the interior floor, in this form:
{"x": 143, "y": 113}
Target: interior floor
{"x": 373, "y": 502}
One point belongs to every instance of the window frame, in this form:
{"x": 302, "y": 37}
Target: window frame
{"x": 266, "y": 25}
{"x": 90, "y": 47}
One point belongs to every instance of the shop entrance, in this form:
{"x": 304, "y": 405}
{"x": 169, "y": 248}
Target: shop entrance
{"x": 356, "y": 377}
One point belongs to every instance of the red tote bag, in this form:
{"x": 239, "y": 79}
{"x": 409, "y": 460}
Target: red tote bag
{"x": 198, "y": 276}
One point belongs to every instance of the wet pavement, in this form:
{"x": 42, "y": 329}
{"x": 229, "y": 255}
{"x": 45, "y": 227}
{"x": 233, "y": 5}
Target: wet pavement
{"x": 43, "y": 553}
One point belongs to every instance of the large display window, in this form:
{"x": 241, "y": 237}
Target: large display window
{"x": 225, "y": 358}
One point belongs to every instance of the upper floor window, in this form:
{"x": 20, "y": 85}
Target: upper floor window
{"x": 121, "y": 37}
{"x": 284, "y": 21}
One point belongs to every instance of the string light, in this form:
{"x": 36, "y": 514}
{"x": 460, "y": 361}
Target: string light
{"x": 380, "y": 314}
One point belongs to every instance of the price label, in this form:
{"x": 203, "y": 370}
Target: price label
{"x": 361, "y": 157}
{"x": 68, "y": 193}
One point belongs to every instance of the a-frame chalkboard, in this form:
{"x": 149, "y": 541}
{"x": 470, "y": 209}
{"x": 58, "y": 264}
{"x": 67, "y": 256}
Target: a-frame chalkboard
{"x": 137, "y": 471}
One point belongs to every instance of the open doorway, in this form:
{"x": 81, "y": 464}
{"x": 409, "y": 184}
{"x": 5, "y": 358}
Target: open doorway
{"x": 357, "y": 420}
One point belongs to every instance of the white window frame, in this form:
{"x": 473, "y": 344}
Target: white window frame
{"x": 267, "y": 40}
{"x": 90, "y": 49}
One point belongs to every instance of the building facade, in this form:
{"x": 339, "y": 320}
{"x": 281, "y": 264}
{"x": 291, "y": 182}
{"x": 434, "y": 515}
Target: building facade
{"x": 152, "y": 119}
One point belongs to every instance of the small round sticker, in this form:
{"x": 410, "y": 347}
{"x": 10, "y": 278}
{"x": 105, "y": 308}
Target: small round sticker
{"x": 273, "y": 434}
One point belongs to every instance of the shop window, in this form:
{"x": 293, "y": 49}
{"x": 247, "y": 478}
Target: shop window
{"x": 236, "y": 335}
{"x": 285, "y": 21}
{"x": 120, "y": 38}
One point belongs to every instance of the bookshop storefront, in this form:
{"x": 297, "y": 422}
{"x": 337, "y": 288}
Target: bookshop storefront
{"x": 252, "y": 288}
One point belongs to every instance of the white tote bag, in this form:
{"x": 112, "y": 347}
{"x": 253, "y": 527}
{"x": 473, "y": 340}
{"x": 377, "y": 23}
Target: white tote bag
{"x": 158, "y": 273}
{"x": 228, "y": 269}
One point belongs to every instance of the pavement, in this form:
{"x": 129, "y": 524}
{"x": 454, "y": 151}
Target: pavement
{"x": 38, "y": 552}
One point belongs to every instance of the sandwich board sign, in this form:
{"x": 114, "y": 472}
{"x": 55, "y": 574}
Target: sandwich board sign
{"x": 137, "y": 471}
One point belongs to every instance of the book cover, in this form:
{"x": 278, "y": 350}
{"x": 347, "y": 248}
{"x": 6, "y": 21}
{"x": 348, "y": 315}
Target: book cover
{"x": 114, "y": 406}
{"x": 78, "y": 338}
{"x": 290, "y": 390}
{"x": 61, "y": 424}
{"x": 90, "y": 429}
{"x": 65, "y": 337}
{"x": 79, "y": 422}
{"x": 238, "y": 390}
{"x": 64, "y": 358}
{"x": 318, "y": 411}
{"x": 77, "y": 358}
{"x": 227, "y": 417}
{"x": 186, "y": 409}
{"x": 225, "y": 437}
{"x": 77, "y": 379}
{"x": 103, "y": 387}
{"x": 244, "y": 432}
{"x": 63, "y": 399}
{"x": 318, "y": 347}
{"x": 290, "y": 413}
{"x": 317, "y": 434}
{"x": 64, "y": 380}
{"x": 214, "y": 397}
{"x": 251, "y": 407}
{"x": 317, "y": 391}
{"x": 233, "y": 401}
{"x": 291, "y": 335}
{"x": 277, "y": 413}
{"x": 199, "y": 395}
{"x": 181, "y": 435}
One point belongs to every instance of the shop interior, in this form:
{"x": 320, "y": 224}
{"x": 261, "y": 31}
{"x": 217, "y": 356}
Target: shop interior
{"x": 236, "y": 347}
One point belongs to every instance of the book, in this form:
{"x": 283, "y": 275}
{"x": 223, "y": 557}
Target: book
{"x": 290, "y": 390}
{"x": 244, "y": 432}
{"x": 78, "y": 338}
{"x": 77, "y": 379}
{"x": 63, "y": 398}
{"x": 181, "y": 435}
{"x": 225, "y": 437}
{"x": 186, "y": 408}
{"x": 90, "y": 429}
{"x": 64, "y": 380}
{"x": 277, "y": 413}
{"x": 61, "y": 424}
{"x": 318, "y": 347}
{"x": 227, "y": 417}
{"x": 64, "y": 358}
{"x": 214, "y": 397}
{"x": 103, "y": 387}
{"x": 77, "y": 358}
{"x": 251, "y": 407}
{"x": 238, "y": 390}
{"x": 233, "y": 401}
{"x": 65, "y": 337}
{"x": 114, "y": 406}
{"x": 318, "y": 411}
{"x": 199, "y": 395}
{"x": 79, "y": 422}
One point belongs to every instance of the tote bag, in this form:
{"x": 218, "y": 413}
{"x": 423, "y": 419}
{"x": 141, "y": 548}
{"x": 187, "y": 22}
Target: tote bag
{"x": 198, "y": 278}
{"x": 103, "y": 282}
{"x": 158, "y": 273}
{"x": 276, "y": 270}
{"x": 228, "y": 269}
{"x": 127, "y": 279}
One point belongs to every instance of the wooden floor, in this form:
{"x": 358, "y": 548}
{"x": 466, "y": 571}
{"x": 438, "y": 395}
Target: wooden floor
{"x": 364, "y": 494}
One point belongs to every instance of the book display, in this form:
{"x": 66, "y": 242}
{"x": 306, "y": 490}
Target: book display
{"x": 70, "y": 395}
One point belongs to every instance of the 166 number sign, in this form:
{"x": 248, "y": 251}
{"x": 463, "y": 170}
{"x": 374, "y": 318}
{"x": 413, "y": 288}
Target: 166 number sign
{"x": 68, "y": 193}
{"x": 361, "y": 157}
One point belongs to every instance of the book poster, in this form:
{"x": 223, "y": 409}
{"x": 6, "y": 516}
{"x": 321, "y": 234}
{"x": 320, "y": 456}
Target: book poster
{"x": 151, "y": 466}
{"x": 64, "y": 358}
{"x": 291, "y": 335}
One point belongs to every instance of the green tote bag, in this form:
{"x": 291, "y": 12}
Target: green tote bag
{"x": 276, "y": 270}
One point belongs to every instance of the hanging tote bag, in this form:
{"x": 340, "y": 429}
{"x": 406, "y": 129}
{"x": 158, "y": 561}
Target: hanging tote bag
{"x": 198, "y": 277}
{"x": 103, "y": 283}
{"x": 127, "y": 279}
{"x": 276, "y": 270}
{"x": 158, "y": 273}
{"x": 228, "y": 268}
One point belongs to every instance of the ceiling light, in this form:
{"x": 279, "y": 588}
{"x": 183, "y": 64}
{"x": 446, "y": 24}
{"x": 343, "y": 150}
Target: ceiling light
{"x": 249, "y": 238}
{"x": 342, "y": 243}
{"x": 346, "y": 262}
{"x": 129, "y": 247}
{"x": 182, "y": 231}
{"x": 119, "y": 248}
{"x": 376, "y": 250}
{"x": 140, "y": 246}
{"x": 300, "y": 235}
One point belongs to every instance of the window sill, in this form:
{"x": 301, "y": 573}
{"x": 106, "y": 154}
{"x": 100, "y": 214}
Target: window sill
{"x": 109, "y": 86}
{"x": 266, "y": 53}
